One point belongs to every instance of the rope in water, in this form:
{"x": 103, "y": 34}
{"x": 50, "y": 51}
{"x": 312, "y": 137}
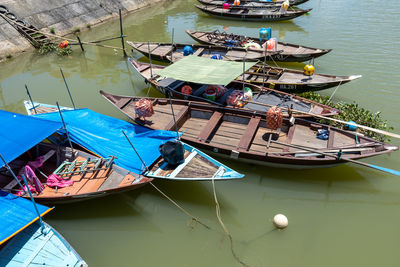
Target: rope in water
{"x": 218, "y": 211}
{"x": 59, "y": 36}
{"x": 179, "y": 207}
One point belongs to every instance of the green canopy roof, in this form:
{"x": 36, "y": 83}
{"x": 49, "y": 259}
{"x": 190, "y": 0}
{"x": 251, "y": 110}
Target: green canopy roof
{"x": 205, "y": 70}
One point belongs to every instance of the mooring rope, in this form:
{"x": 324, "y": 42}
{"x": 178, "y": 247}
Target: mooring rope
{"x": 218, "y": 211}
{"x": 59, "y": 36}
{"x": 179, "y": 207}
{"x": 330, "y": 98}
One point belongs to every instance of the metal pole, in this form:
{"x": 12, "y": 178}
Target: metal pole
{"x": 172, "y": 50}
{"x": 122, "y": 34}
{"x": 12, "y": 173}
{"x": 244, "y": 70}
{"x": 147, "y": 169}
{"x": 66, "y": 85}
{"x": 65, "y": 128}
{"x": 80, "y": 43}
{"x": 173, "y": 115}
{"x": 151, "y": 68}
{"x": 33, "y": 201}
{"x": 27, "y": 91}
{"x": 265, "y": 62}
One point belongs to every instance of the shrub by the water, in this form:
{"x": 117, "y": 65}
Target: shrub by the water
{"x": 51, "y": 47}
{"x": 353, "y": 112}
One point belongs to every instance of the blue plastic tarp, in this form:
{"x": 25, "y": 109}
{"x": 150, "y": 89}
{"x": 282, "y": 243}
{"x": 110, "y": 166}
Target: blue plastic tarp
{"x": 19, "y": 133}
{"x": 103, "y": 135}
{"x": 16, "y": 214}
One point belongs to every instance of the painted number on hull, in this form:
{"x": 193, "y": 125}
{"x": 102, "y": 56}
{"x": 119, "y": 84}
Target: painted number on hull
{"x": 287, "y": 86}
{"x": 271, "y": 16}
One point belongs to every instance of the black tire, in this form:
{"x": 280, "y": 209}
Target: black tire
{"x": 3, "y": 9}
{"x": 23, "y": 22}
{"x": 11, "y": 16}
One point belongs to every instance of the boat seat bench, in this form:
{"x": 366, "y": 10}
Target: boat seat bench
{"x": 210, "y": 126}
{"x": 249, "y": 133}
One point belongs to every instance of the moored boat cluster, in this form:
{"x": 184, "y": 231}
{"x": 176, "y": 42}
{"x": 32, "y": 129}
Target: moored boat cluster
{"x": 221, "y": 97}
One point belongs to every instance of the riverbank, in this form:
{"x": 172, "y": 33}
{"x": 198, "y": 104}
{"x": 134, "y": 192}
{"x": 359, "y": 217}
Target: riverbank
{"x": 61, "y": 17}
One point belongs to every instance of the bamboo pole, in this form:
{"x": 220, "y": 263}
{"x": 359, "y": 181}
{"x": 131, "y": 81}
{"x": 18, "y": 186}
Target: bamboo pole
{"x": 30, "y": 98}
{"x": 338, "y": 157}
{"x": 122, "y": 34}
{"x": 335, "y": 120}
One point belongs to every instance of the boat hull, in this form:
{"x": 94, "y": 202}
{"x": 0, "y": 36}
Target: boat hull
{"x": 34, "y": 247}
{"x": 252, "y": 17}
{"x": 243, "y": 135}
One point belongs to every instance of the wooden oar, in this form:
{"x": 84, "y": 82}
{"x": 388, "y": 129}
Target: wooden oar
{"x": 341, "y": 158}
{"x": 332, "y": 119}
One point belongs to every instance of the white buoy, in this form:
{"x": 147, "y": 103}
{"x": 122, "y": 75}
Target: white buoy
{"x": 280, "y": 221}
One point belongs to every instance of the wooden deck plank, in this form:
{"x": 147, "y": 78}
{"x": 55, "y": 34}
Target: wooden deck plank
{"x": 249, "y": 134}
{"x": 178, "y": 118}
{"x": 210, "y": 127}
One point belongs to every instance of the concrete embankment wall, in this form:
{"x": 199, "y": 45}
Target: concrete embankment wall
{"x": 62, "y": 15}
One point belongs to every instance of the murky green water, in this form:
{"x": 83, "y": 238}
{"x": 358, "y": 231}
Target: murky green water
{"x": 342, "y": 216}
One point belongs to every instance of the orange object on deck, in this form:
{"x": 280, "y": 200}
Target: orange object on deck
{"x": 187, "y": 90}
{"x": 144, "y": 108}
{"x": 274, "y": 118}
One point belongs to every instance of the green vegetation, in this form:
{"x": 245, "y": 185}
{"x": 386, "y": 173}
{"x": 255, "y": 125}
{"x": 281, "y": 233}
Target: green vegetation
{"x": 52, "y": 47}
{"x": 52, "y": 30}
{"x": 88, "y": 26}
{"x": 76, "y": 30}
{"x": 9, "y": 56}
{"x": 353, "y": 112}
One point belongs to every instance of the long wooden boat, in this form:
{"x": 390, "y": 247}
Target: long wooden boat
{"x": 198, "y": 166}
{"x": 248, "y": 4}
{"x": 288, "y": 52}
{"x": 173, "y": 52}
{"x": 291, "y": 80}
{"x": 246, "y": 14}
{"x": 282, "y": 79}
{"x": 243, "y": 135}
{"x": 277, "y": 2}
{"x": 26, "y": 240}
{"x": 261, "y": 94}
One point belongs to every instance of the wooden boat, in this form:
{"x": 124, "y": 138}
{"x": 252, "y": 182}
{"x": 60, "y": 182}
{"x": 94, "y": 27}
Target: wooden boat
{"x": 288, "y": 52}
{"x": 277, "y": 2}
{"x": 25, "y": 240}
{"x": 249, "y": 4}
{"x": 246, "y": 14}
{"x": 93, "y": 176}
{"x": 242, "y": 135}
{"x": 293, "y": 81}
{"x": 261, "y": 94}
{"x": 50, "y": 249}
{"x": 173, "y": 52}
{"x": 198, "y": 166}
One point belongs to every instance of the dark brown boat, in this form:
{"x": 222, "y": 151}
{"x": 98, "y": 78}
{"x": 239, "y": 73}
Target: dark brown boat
{"x": 249, "y": 4}
{"x": 246, "y": 14}
{"x": 288, "y": 52}
{"x": 173, "y": 52}
{"x": 261, "y": 94}
{"x": 293, "y": 81}
{"x": 243, "y": 135}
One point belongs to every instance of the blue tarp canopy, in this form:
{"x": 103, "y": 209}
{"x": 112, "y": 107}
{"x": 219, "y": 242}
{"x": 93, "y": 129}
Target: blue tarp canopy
{"x": 103, "y": 135}
{"x": 19, "y": 133}
{"x": 16, "y": 214}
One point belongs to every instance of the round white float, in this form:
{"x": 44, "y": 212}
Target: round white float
{"x": 280, "y": 221}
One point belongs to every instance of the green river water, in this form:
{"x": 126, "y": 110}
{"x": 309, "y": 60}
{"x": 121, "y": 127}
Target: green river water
{"x": 341, "y": 216}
